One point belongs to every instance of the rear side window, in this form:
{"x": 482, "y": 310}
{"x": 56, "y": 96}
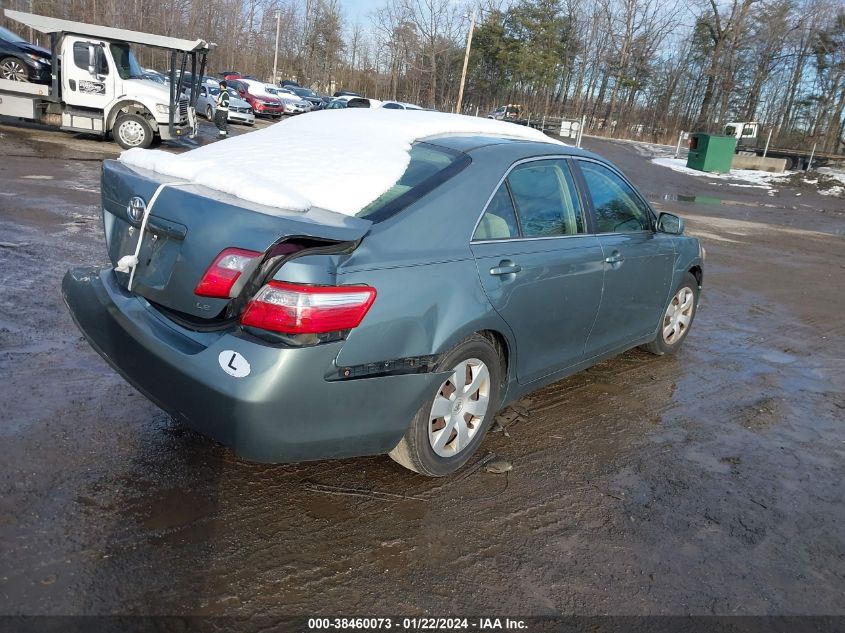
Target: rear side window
{"x": 618, "y": 208}
{"x": 546, "y": 200}
{"x": 499, "y": 219}
{"x": 430, "y": 166}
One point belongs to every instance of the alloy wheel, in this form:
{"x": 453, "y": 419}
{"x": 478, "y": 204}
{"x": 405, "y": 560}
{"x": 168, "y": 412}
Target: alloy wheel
{"x": 678, "y": 315}
{"x": 459, "y": 408}
{"x": 13, "y": 70}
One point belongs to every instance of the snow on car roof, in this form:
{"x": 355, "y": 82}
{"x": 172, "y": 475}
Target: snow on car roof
{"x": 344, "y": 159}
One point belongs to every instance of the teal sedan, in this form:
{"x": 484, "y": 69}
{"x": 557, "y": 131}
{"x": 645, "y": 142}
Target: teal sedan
{"x": 492, "y": 267}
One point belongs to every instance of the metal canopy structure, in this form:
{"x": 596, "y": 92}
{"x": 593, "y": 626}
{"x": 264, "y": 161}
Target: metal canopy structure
{"x": 44, "y": 24}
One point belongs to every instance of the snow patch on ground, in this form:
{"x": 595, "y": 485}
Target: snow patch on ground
{"x": 340, "y": 160}
{"x": 833, "y": 175}
{"x": 838, "y": 174}
{"x": 749, "y": 177}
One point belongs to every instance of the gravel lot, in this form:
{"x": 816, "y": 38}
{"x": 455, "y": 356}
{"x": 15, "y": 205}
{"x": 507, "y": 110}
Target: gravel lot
{"x": 705, "y": 483}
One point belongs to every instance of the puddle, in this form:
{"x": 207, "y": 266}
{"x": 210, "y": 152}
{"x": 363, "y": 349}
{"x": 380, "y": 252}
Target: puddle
{"x": 171, "y": 508}
{"x": 709, "y": 200}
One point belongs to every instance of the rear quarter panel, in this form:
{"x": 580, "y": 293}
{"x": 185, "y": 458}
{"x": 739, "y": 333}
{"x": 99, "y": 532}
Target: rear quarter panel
{"x": 429, "y": 294}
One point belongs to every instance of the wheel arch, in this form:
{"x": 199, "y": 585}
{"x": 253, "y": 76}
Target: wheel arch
{"x": 130, "y": 106}
{"x": 698, "y": 273}
{"x": 500, "y": 342}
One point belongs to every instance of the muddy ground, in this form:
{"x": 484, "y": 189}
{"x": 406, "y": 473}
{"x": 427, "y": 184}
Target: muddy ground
{"x": 705, "y": 483}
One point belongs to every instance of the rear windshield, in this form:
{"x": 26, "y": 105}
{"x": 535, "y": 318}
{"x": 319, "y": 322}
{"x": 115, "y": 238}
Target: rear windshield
{"x": 429, "y": 168}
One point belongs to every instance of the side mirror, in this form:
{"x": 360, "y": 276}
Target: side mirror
{"x": 670, "y": 223}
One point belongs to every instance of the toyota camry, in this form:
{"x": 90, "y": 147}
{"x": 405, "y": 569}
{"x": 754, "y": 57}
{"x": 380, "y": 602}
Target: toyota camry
{"x": 389, "y": 298}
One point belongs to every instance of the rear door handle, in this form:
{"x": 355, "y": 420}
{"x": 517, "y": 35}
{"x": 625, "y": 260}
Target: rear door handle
{"x": 505, "y": 267}
{"x": 616, "y": 258}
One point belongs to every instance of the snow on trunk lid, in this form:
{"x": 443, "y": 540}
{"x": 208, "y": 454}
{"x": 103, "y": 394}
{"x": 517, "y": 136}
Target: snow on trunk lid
{"x": 188, "y": 228}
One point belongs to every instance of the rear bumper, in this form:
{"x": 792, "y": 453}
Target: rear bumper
{"x": 283, "y": 411}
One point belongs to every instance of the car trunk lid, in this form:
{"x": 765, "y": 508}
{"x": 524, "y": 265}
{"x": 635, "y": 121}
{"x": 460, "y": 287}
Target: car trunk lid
{"x": 189, "y": 225}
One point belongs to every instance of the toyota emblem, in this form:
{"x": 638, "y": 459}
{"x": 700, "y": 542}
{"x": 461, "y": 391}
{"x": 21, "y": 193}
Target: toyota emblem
{"x": 135, "y": 209}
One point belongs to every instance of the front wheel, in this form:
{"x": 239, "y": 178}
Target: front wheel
{"x": 451, "y": 424}
{"x": 13, "y": 69}
{"x": 677, "y": 318}
{"x": 209, "y": 113}
{"x": 132, "y": 130}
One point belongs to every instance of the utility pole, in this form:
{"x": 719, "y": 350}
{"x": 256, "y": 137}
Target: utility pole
{"x": 466, "y": 61}
{"x": 276, "y": 51}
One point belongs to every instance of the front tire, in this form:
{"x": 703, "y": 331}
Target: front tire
{"x": 13, "y": 69}
{"x": 677, "y": 318}
{"x": 132, "y": 130}
{"x": 451, "y": 424}
{"x": 209, "y": 113}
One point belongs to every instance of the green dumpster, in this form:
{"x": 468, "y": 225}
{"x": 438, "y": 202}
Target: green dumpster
{"x": 708, "y": 152}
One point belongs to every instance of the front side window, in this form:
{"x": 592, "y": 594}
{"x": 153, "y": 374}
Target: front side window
{"x": 546, "y": 200}
{"x": 80, "y": 57}
{"x": 618, "y": 208}
{"x": 127, "y": 66}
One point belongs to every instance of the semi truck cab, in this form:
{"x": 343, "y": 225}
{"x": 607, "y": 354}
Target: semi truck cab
{"x": 98, "y": 87}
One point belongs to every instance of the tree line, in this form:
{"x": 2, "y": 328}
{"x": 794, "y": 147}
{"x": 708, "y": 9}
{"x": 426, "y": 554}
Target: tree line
{"x": 631, "y": 68}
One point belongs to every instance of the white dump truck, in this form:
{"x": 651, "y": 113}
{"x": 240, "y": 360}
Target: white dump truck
{"x": 98, "y": 87}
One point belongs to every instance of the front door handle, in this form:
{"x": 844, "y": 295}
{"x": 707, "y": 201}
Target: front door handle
{"x": 616, "y": 258}
{"x": 505, "y": 267}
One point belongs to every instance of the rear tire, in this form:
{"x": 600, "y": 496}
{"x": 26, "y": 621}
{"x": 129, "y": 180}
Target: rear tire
{"x": 132, "y": 130}
{"x": 452, "y": 423}
{"x": 677, "y": 318}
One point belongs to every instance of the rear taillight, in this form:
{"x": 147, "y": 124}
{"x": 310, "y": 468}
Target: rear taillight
{"x": 224, "y": 272}
{"x": 297, "y": 309}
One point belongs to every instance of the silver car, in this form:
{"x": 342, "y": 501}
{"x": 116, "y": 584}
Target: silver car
{"x": 239, "y": 110}
{"x": 291, "y": 103}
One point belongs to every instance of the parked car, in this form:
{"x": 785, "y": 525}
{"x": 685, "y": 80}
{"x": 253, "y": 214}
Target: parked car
{"x": 309, "y": 95}
{"x": 22, "y": 61}
{"x": 346, "y": 93}
{"x": 262, "y": 103}
{"x": 157, "y": 77}
{"x": 348, "y": 101}
{"x": 506, "y": 113}
{"x": 239, "y": 110}
{"x": 289, "y": 83}
{"x": 491, "y": 268}
{"x": 291, "y": 103}
{"x": 399, "y": 105}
